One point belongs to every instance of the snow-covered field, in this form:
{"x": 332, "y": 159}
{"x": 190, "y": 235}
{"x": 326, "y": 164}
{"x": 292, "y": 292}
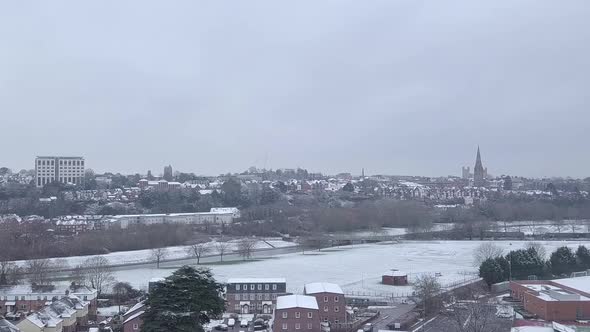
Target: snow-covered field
{"x": 358, "y": 269}
{"x": 178, "y": 252}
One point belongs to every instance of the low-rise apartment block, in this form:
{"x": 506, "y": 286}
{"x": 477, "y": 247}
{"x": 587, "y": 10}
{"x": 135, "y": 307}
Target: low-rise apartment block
{"x": 254, "y": 295}
{"x": 296, "y": 313}
{"x": 331, "y": 301}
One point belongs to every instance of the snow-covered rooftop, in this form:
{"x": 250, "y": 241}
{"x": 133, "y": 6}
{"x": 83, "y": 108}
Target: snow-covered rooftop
{"x": 6, "y": 326}
{"x": 135, "y": 315}
{"x": 296, "y": 301}
{"x": 256, "y": 280}
{"x": 136, "y": 307}
{"x": 322, "y": 287}
{"x": 581, "y": 283}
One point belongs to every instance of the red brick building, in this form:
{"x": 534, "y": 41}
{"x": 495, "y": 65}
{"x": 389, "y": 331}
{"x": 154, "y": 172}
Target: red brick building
{"x": 296, "y": 313}
{"x": 558, "y": 300}
{"x": 331, "y": 301}
{"x": 395, "y": 278}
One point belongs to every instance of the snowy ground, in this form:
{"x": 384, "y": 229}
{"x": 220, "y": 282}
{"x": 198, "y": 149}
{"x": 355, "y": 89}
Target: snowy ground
{"x": 178, "y": 252}
{"x": 357, "y": 269}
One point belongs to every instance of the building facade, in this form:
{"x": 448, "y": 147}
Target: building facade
{"x": 254, "y": 295}
{"x": 556, "y": 300}
{"x": 66, "y": 170}
{"x": 296, "y": 313}
{"x": 331, "y": 301}
{"x": 24, "y": 299}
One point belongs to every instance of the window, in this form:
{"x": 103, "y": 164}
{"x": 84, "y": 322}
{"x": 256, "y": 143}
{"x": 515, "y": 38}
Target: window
{"x": 135, "y": 326}
{"x": 274, "y": 296}
{"x": 326, "y": 308}
{"x": 23, "y": 307}
{"x": 285, "y": 315}
{"x": 251, "y": 286}
{"x": 38, "y": 298}
{"x": 252, "y": 297}
{"x": 266, "y": 286}
{"x": 237, "y": 307}
{"x": 336, "y": 298}
{"x": 237, "y": 297}
{"x": 284, "y": 326}
{"x": 259, "y": 286}
{"x": 259, "y": 297}
{"x": 267, "y": 296}
{"x": 238, "y": 287}
{"x": 297, "y": 314}
{"x": 310, "y": 315}
{"x": 297, "y": 326}
{"x": 309, "y": 326}
{"x": 325, "y": 299}
{"x": 274, "y": 286}
{"x": 336, "y": 309}
{"x": 22, "y": 298}
{"x": 245, "y": 297}
{"x": 259, "y": 306}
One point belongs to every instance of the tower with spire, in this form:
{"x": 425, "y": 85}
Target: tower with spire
{"x": 478, "y": 171}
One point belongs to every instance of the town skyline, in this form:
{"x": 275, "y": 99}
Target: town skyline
{"x": 160, "y": 171}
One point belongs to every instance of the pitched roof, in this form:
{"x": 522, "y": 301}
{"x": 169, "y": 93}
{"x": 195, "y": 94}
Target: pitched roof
{"x": 297, "y": 301}
{"x": 322, "y": 287}
{"x": 135, "y": 315}
{"x": 136, "y": 307}
{"x": 255, "y": 280}
{"x": 6, "y": 326}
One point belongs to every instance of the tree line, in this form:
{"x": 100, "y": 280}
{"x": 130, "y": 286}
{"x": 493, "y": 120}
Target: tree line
{"x": 522, "y": 263}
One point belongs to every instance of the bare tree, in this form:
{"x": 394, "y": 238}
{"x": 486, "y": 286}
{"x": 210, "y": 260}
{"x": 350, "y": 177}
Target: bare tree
{"x": 477, "y": 316}
{"x": 315, "y": 241}
{"x": 246, "y": 247}
{"x": 486, "y": 251}
{"x": 198, "y": 250}
{"x": 99, "y": 274}
{"x": 158, "y": 254}
{"x": 427, "y": 293}
{"x": 538, "y": 248}
{"x": 222, "y": 249}
{"x": 10, "y": 273}
{"x": 559, "y": 224}
{"x": 77, "y": 276}
{"x": 39, "y": 271}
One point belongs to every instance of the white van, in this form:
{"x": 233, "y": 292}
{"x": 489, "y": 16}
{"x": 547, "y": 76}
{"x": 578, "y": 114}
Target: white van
{"x": 231, "y": 322}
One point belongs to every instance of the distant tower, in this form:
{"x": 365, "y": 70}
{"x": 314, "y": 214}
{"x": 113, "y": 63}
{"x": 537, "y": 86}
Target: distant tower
{"x": 363, "y": 173}
{"x": 478, "y": 171}
{"x": 466, "y": 172}
{"x": 168, "y": 173}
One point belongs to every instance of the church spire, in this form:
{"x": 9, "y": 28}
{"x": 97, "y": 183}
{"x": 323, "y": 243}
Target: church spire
{"x": 478, "y": 171}
{"x": 478, "y": 159}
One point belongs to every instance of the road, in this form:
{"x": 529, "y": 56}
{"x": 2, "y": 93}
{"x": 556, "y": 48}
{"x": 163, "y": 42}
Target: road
{"x": 390, "y": 314}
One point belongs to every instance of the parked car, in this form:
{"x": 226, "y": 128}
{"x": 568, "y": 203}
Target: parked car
{"x": 231, "y": 322}
{"x": 368, "y": 327}
{"x": 221, "y": 327}
{"x": 244, "y": 323}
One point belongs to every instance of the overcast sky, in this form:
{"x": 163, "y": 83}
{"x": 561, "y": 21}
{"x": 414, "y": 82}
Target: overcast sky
{"x": 397, "y": 87}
